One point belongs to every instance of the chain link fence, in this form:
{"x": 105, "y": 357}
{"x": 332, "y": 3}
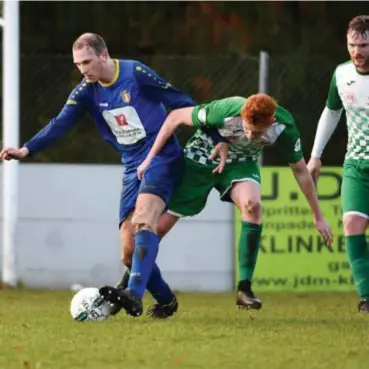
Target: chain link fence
{"x": 298, "y": 83}
{"x": 301, "y": 85}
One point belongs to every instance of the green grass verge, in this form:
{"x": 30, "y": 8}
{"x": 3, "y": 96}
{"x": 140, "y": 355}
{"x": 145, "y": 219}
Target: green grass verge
{"x": 292, "y": 331}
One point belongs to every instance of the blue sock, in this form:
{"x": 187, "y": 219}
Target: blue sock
{"x": 158, "y": 288}
{"x": 143, "y": 261}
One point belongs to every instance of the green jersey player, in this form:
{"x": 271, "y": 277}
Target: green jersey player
{"x": 349, "y": 91}
{"x": 248, "y": 125}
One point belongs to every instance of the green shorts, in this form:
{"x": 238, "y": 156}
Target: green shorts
{"x": 198, "y": 180}
{"x": 355, "y": 187}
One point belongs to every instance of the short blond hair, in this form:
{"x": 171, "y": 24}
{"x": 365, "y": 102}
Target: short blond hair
{"x": 93, "y": 40}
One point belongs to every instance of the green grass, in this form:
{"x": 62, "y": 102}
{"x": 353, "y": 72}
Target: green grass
{"x": 292, "y": 331}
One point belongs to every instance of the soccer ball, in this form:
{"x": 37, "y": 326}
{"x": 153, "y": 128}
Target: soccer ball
{"x": 87, "y": 304}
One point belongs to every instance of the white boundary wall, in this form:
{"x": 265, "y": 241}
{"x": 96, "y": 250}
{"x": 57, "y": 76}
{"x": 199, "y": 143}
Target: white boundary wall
{"x": 68, "y": 233}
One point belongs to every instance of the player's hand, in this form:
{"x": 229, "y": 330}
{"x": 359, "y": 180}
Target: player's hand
{"x": 221, "y": 150}
{"x": 141, "y": 168}
{"x": 325, "y": 231}
{"x": 10, "y": 153}
{"x": 314, "y": 166}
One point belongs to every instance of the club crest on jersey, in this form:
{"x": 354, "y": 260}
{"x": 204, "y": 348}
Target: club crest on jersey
{"x": 126, "y": 96}
{"x": 349, "y": 97}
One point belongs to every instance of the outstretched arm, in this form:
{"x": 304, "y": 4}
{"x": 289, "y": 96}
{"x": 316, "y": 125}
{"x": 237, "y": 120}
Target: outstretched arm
{"x": 173, "y": 120}
{"x": 171, "y": 123}
{"x": 289, "y": 143}
{"x": 206, "y": 116}
{"x": 307, "y": 186}
{"x": 56, "y": 128}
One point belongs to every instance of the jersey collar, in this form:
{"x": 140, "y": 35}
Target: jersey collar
{"x": 362, "y": 73}
{"x": 116, "y": 75}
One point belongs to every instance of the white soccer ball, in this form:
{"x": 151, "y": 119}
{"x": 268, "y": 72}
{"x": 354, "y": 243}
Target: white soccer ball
{"x": 87, "y": 304}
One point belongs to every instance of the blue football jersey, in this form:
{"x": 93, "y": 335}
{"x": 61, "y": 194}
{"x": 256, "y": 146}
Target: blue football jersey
{"x": 128, "y": 112}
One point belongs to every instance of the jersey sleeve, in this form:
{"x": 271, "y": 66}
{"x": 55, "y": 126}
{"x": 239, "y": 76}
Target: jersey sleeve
{"x": 334, "y": 101}
{"x": 74, "y": 108}
{"x": 289, "y": 142}
{"x": 158, "y": 89}
{"x": 214, "y": 134}
{"x": 214, "y": 114}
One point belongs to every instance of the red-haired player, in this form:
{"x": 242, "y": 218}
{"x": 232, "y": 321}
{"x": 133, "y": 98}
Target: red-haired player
{"x": 247, "y": 125}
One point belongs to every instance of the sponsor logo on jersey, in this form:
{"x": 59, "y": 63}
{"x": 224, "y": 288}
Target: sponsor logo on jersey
{"x": 125, "y": 124}
{"x": 349, "y": 83}
{"x": 121, "y": 120}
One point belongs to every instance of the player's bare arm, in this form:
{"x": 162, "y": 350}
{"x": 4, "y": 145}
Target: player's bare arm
{"x": 171, "y": 123}
{"x": 307, "y": 186}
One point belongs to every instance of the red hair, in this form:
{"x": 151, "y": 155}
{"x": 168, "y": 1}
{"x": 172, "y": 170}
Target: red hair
{"x": 258, "y": 109}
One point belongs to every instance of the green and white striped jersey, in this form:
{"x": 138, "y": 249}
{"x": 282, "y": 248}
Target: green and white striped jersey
{"x": 349, "y": 89}
{"x": 225, "y": 115}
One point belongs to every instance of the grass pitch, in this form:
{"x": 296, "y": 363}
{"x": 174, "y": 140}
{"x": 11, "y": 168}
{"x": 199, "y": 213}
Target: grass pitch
{"x": 292, "y": 331}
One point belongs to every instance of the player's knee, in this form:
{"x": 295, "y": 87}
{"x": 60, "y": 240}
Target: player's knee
{"x": 252, "y": 208}
{"x": 141, "y": 222}
{"x": 145, "y": 217}
{"x": 354, "y": 224}
{"x": 143, "y": 227}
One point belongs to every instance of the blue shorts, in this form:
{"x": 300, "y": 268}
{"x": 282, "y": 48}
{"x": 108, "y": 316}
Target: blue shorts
{"x": 161, "y": 178}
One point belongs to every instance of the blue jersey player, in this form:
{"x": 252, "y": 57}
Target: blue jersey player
{"x": 128, "y": 102}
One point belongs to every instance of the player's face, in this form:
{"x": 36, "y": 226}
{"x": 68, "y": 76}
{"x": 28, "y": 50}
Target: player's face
{"x": 253, "y": 132}
{"x": 358, "y": 48}
{"x": 89, "y": 63}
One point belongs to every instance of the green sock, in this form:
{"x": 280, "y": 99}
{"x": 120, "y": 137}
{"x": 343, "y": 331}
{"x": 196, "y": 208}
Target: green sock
{"x": 248, "y": 249}
{"x": 358, "y": 255}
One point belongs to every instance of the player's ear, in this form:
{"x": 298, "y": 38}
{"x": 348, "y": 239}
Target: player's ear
{"x": 104, "y": 55}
